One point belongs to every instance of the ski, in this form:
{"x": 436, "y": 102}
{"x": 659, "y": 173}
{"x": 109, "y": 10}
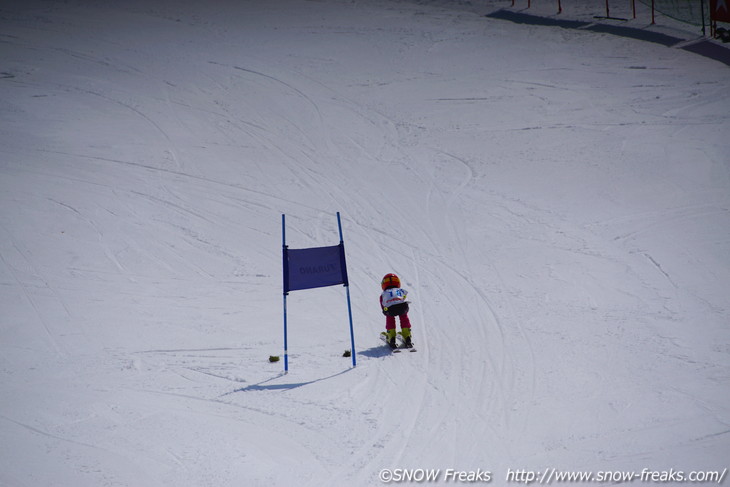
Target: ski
{"x": 401, "y": 343}
{"x": 384, "y": 337}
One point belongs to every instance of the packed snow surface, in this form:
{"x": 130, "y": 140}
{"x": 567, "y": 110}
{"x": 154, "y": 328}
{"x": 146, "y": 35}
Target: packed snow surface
{"x": 556, "y": 202}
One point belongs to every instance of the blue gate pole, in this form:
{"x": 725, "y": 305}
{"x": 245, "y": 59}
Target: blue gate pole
{"x": 284, "y": 271}
{"x": 352, "y": 335}
{"x": 349, "y": 305}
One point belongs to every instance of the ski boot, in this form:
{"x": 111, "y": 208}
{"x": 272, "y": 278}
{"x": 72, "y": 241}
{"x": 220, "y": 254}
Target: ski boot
{"x": 406, "y": 335}
{"x": 391, "y": 338}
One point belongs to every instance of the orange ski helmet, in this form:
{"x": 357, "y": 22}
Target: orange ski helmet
{"x": 390, "y": 280}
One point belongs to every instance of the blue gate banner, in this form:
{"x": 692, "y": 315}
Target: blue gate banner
{"x": 314, "y": 267}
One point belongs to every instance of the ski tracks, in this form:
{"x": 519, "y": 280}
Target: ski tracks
{"x": 32, "y": 287}
{"x": 497, "y": 352}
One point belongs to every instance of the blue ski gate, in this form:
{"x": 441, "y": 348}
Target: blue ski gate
{"x": 311, "y": 268}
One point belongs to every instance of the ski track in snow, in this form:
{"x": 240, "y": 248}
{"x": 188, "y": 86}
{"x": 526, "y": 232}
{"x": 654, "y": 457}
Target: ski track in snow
{"x": 559, "y": 216}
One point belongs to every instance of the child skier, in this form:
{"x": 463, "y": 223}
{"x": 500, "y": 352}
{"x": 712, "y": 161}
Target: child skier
{"x": 393, "y": 303}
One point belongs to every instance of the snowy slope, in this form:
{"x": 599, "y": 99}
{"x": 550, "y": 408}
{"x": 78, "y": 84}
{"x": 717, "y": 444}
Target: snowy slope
{"x": 557, "y": 203}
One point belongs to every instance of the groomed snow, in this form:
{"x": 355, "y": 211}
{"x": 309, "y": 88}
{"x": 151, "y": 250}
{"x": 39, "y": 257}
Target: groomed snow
{"x": 557, "y": 203}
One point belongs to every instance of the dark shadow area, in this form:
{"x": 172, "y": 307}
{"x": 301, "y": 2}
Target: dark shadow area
{"x": 710, "y": 50}
{"x": 375, "y": 352}
{"x": 265, "y": 386}
{"x": 633, "y": 33}
{"x": 704, "y": 48}
{"x": 522, "y": 18}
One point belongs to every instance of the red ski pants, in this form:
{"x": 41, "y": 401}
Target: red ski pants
{"x": 404, "y": 322}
